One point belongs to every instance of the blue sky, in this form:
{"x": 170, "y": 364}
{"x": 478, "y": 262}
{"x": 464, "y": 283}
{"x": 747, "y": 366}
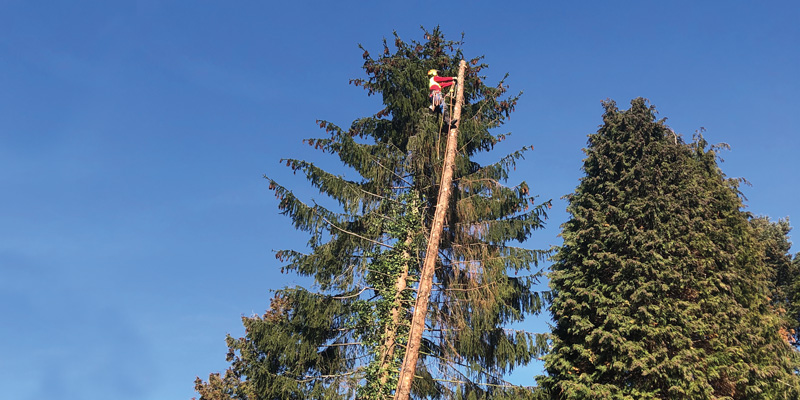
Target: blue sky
{"x": 136, "y": 228}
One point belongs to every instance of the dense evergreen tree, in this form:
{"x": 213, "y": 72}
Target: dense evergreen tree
{"x": 661, "y": 286}
{"x": 346, "y": 337}
{"x": 784, "y": 274}
{"x": 792, "y": 293}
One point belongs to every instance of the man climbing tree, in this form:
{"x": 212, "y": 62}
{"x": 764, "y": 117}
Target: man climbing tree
{"x": 435, "y": 84}
{"x": 347, "y": 337}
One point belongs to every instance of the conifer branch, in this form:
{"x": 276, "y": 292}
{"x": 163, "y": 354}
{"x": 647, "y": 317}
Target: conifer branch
{"x": 507, "y": 385}
{"x": 343, "y": 344}
{"x": 400, "y": 177}
{"x": 357, "y": 235}
{"x": 309, "y": 378}
{"x": 353, "y": 295}
{"x": 449, "y": 362}
{"x": 484, "y": 286}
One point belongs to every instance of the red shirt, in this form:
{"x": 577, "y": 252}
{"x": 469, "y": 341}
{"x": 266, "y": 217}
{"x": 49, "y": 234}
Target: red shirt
{"x": 439, "y": 82}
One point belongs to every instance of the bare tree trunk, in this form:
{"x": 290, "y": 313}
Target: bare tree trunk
{"x": 409, "y": 366}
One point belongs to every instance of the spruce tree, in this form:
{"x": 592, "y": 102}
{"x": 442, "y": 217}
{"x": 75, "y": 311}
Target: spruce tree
{"x": 345, "y": 337}
{"x": 661, "y": 286}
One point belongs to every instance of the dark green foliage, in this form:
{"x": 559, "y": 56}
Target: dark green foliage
{"x": 791, "y": 291}
{"x": 661, "y": 286}
{"x": 346, "y": 338}
{"x": 785, "y": 274}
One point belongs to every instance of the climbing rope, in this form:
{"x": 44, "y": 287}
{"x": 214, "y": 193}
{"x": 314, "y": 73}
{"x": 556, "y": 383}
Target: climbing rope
{"x": 450, "y": 97}
{"x": 438, "y": 131}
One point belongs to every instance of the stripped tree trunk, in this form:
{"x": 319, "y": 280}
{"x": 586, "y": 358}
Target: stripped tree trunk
{"x": 409, "y": 366}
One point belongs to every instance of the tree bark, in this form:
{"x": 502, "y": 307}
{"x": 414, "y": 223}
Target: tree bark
{"x": 409, "y": 366}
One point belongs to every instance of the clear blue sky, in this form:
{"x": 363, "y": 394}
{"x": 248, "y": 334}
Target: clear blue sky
{"x": 135, "y": 227}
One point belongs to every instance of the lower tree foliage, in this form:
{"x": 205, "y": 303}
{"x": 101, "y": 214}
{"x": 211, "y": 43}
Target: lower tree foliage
{"x": 345, "y": 336}
{"x": 662, "y": 286}
{"x": 790, "y": 298}
{"x": 785, "y": 274}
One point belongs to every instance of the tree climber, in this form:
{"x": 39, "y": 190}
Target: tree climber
{"x": 436, "y": 84}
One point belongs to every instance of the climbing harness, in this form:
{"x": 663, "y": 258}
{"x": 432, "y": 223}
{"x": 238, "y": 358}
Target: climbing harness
{"x": 438, "y": 101}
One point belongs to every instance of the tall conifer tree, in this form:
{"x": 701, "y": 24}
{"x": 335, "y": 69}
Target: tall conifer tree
{"x": 346, "y": 337}
{"x": 660, "y": 287}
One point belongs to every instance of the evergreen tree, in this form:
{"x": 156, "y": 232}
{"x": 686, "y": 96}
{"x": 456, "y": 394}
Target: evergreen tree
{"x": 784, "y": 274}
{"x": 660, "y": 287}
{"x": 346, "y": 337}
{"x": 792, "y": 293}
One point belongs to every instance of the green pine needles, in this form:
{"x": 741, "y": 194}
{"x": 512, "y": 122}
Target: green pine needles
{"x": 345, "y": 337}
{"x": 661, "y": 288}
